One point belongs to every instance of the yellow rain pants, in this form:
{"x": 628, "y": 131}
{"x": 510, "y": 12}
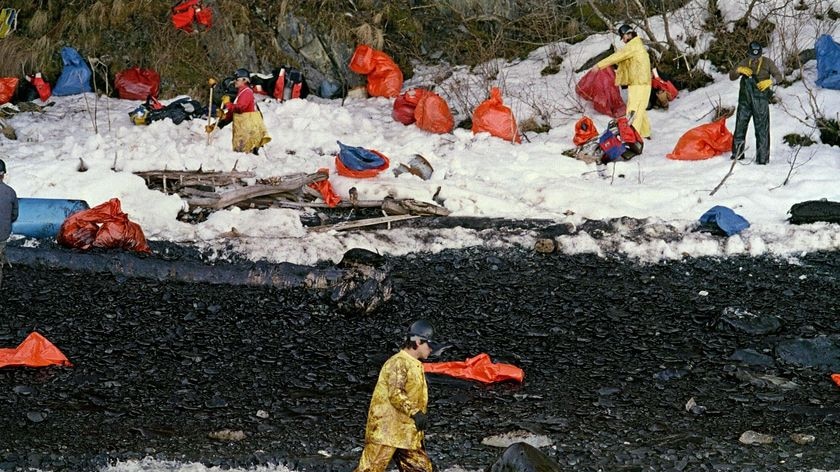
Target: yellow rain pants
{"x": 375, "y": 458}
{"x": 249, "y": 132}
{"x": 637, "y": 100}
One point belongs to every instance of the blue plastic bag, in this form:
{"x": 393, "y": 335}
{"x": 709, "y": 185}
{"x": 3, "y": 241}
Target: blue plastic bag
{"x": 75, "y": 76}
{"x": 724, "y": 219}
{"x": 358, "y": 158}
{"x": 828, "y": 62}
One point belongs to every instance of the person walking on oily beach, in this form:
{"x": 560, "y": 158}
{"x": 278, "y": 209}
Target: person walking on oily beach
{"x": 754, "y": 71}
{"x": 8, "y": 215}
{"x": 633, "y": 71}
{"x": 397, "y": 413}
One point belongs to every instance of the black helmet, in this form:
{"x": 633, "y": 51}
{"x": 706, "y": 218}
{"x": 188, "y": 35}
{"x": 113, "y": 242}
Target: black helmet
{"x": 421, "y": 330}
{"x": 2, "y": 167}
{"x": 624, "y": 29}
{"x": 755, "y": 49}
{"x": 242, "y": 74}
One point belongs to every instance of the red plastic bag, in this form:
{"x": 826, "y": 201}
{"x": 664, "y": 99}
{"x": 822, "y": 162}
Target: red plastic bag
{"x": 432, "y": 114}
{"x": 628, "y": 134}
{"x": 183, "y": 15}
{"x": 836, "y": 379}
{"x": 325, "y": 188}
{"x": 495, "y": 118}
{"x": 104, "y": 226}
{"x": 666, "y": 85}
{"x": 8, "y": 85}
{"x": 405, "y": 105}
{"x": 384, "y": 77}
{"x": 479, "y": 368}
{"x": 598, "y": 86}
{"x": 703, "y": 142}
{"x": 34, "y": 351}
{"x": 42, "y": 86}
{"x": 361, "y": 174}
{"x": 137, "y": 84}
{"x": 204, "y": 16}
{"x": 584, "y": 130}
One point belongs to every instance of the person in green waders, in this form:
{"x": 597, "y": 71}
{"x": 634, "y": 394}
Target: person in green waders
{"x": 755, "y": 72}
{"x": 397, "y": 413}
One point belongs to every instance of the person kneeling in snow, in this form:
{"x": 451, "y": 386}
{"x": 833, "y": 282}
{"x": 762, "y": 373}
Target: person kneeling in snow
{"x": 249, "y": 132}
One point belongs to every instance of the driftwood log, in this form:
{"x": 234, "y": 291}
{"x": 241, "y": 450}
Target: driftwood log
{"x": 233, "y": 197}
{"x": 174, "y": 181}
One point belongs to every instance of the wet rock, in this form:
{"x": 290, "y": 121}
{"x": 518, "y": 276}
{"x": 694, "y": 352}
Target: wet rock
{"x": 523, "y": 457}
{"x": 36, "y": 416}
{"x": 506, "y": 439}
{"x": 752, "y": 357}
{"x": 822, "y": 352}
{"x": 227, "y": 435}
{"x": 750, "y": 323}
{"x": 752, "y": 437}
{"x": 670, "y": 374}
{"x": 802, "y": 439}
{"x": 545, "y": 246}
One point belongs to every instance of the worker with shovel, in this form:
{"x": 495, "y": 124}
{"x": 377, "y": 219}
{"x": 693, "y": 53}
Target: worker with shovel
{"x": 397, "y": 414}
{"x": 249, "y": 132}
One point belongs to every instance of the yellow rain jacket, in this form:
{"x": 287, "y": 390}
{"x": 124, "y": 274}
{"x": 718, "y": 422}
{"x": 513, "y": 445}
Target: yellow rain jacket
{"x": 633, "y": 63}
{"x": 249, "y": 131}
{"x": 400, "y": 393}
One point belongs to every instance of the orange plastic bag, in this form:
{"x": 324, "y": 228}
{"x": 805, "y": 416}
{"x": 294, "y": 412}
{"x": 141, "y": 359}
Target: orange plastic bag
{"x": 384, "y": 77}
{"x": 495, "y": 118}
{"x": 361, "y": 174}
{"x": 104, "y": 226}
{"x": 584, "y": 130}
{"x": 325, "y": 188}
{"x": 433, "y": 115}
{"x": 703, "y": 142}
{"x": 479, "y": 368}
{"x": 836, "y": 379}
{"x": 405, "y": 105}
{"x": 34, "y": 351}
{"x": 8, "y": 85}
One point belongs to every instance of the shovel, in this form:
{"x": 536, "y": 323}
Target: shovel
{"x": 209, "y": 129}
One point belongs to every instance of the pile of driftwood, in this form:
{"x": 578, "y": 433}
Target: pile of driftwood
{"x": 212, "y": 190}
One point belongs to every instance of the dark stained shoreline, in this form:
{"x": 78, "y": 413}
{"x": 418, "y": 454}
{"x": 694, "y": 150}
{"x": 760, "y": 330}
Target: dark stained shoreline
{"x": 612, "y": 351}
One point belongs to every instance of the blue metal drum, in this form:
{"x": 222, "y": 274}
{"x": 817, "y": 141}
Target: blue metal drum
{"x": 42, "y": 217}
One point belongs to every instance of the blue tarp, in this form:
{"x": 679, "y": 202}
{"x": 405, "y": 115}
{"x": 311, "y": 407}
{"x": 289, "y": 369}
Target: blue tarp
{"x": 358, "y": 158}
{"x": 724, "y": 219}
{"x": 75, "y": 76}
{"x": 828, "y": 62}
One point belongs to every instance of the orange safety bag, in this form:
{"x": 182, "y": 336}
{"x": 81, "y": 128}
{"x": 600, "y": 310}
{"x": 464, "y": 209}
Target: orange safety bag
{"x": 405, "y": 105}
{"x": 584, "y": 130}
{"x": 836, "y": 379}
{"x": 325, "y": 188}
{"x": 7, "y": 88}
{"x": 384, "y": 77}
{"x": 363, "y": 173}
{"x": 479, "y": 368}
{"x": 492, "y": 116}
{"x": 703, "y": 142}
{"x": 433, "y": 115}
{"x": 183, "y": 15}
{"x": 34, "y": 351}
{"x": 104, "y": 226}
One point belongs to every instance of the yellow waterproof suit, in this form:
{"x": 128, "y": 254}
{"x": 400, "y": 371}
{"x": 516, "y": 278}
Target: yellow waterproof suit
{"x": 249, "y": 132}
{"x": 400, "y": 393}
{"x": 634, "y": 72}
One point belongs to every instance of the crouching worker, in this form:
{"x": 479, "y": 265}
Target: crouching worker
{"x": 249, "y": 132}
{"x": 397, "y": 414}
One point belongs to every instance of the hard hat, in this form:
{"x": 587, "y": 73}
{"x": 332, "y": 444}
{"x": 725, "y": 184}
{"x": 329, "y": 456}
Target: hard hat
{"x": 242, "y": 74}
{"x": 624, "y": 29}
{"x": 421, "y": 330}
{"x": 2, "y": 167}
{"x": 755, "y": 49}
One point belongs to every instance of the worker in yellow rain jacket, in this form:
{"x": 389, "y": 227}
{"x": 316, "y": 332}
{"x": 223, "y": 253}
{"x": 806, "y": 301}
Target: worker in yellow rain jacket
{"x": 397, "y": 414}
{"x": 634, "y": 72}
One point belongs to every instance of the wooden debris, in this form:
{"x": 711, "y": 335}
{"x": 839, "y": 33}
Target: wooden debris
{"x": 233, "y": 197}
{"x": 345, "y": 225}
{"x": 173, "y": 180}
{"x": 409, "y": 206}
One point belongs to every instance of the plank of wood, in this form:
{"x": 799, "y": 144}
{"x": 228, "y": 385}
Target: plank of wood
{"x": 239, "y": 195}
{"x": 346, "y": 225}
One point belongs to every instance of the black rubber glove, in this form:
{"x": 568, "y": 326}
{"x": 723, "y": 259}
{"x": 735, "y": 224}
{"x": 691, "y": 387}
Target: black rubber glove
{"x": 420, "y": 420}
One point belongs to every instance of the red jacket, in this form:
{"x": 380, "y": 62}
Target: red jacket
{"x": 243, "y": 103}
